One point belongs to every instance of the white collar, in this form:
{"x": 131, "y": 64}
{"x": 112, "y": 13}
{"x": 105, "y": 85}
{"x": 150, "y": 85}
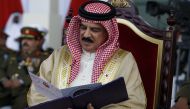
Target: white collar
{"x": 88, "y": 55}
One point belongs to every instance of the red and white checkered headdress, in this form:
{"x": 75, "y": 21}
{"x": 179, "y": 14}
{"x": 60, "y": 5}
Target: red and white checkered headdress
{"x": 93, "y": 12}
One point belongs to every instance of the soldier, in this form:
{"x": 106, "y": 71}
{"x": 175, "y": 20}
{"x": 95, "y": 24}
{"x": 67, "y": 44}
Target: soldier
{"x": 5, "y": 54}
{"x": 183, "y": 97}
{"x": 27, "y": 60}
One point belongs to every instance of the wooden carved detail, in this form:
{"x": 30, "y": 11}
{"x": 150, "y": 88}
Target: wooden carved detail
{"x": 167, "y": 65}
{"x": 120, "y": 3}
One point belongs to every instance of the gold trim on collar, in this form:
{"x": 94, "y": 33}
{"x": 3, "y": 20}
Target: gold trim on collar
{"x": 112, "y": 67}
{"x": 63, "y": 68}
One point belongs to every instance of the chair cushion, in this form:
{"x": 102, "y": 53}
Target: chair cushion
{"x": 145, "y": 54}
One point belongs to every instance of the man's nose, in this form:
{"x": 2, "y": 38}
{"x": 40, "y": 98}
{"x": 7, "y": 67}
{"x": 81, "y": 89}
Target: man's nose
{"x": 87, "y": 33}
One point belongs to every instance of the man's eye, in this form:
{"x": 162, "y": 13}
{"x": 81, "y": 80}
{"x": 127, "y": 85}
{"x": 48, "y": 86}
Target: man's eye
{"x": 82, "y": 27}
{"x": 96, "y": 30}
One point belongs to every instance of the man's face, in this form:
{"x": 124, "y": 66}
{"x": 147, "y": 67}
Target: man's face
{"x": 28, "y": 46}
{"x": 92, "y": 35}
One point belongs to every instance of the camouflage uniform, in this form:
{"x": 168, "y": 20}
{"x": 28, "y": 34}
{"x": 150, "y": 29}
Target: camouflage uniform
{"x": 27, "y": 60}
{"x": 18, "y": 68}
{"x": 4, "y": 92}
{"x": 5, "y": 54}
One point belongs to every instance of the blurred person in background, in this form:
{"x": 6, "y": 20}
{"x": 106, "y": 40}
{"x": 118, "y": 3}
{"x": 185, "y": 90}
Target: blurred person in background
{"x": 183, "y": 97}
{"x": 28, "y": 59}
{"x": 5, "y": 54}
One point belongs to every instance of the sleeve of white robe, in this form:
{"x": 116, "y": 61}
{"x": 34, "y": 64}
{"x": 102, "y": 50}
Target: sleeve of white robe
{"x": 33, "y": 97}
{"x": 134, "y": 85}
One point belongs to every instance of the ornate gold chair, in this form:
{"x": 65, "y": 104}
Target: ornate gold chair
{"x": 153, "y": 51}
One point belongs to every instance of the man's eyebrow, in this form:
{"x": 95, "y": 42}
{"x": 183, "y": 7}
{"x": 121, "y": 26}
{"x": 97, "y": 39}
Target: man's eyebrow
{"x": 97, "y": 28}
{"x": 82, "y": 24}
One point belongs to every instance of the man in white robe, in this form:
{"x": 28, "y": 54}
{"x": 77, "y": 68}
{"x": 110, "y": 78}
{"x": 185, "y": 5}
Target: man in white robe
{"x": 92, "y": 55}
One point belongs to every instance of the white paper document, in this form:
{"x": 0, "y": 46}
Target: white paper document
{"x": 45, "y": 88}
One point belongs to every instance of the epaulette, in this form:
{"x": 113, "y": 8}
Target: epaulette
{"x": 12, "y": 58}
{"x": 46, "y": 53}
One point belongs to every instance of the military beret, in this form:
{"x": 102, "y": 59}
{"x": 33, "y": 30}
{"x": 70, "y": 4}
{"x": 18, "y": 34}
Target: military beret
{"x": 30, "y": 33}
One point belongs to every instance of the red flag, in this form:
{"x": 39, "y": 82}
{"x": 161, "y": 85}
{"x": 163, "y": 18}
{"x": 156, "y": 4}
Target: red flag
{"x": 75, "y": 4}
{"x": 7, "y": 7}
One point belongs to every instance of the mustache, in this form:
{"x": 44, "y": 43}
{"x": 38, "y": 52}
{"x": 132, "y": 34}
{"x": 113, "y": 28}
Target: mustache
{"x": 87, "y": 39}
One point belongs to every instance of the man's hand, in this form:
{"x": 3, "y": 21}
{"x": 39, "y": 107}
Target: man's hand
{"x": 15, "y": 83}
{"x": 7, "y": 83}
{"x": 89, "y": 106}
{"x": 182, "y": 103}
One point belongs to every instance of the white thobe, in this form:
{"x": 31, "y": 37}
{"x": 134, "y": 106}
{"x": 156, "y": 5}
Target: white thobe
{"x": 85, "y": 73}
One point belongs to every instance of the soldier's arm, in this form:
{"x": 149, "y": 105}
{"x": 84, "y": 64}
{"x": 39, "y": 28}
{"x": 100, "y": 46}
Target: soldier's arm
{"x": 184, "y": 91}
{"x": 4, "y": 81}
{"x": 3, "y": 65}
{"x": 24, "y": 79}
